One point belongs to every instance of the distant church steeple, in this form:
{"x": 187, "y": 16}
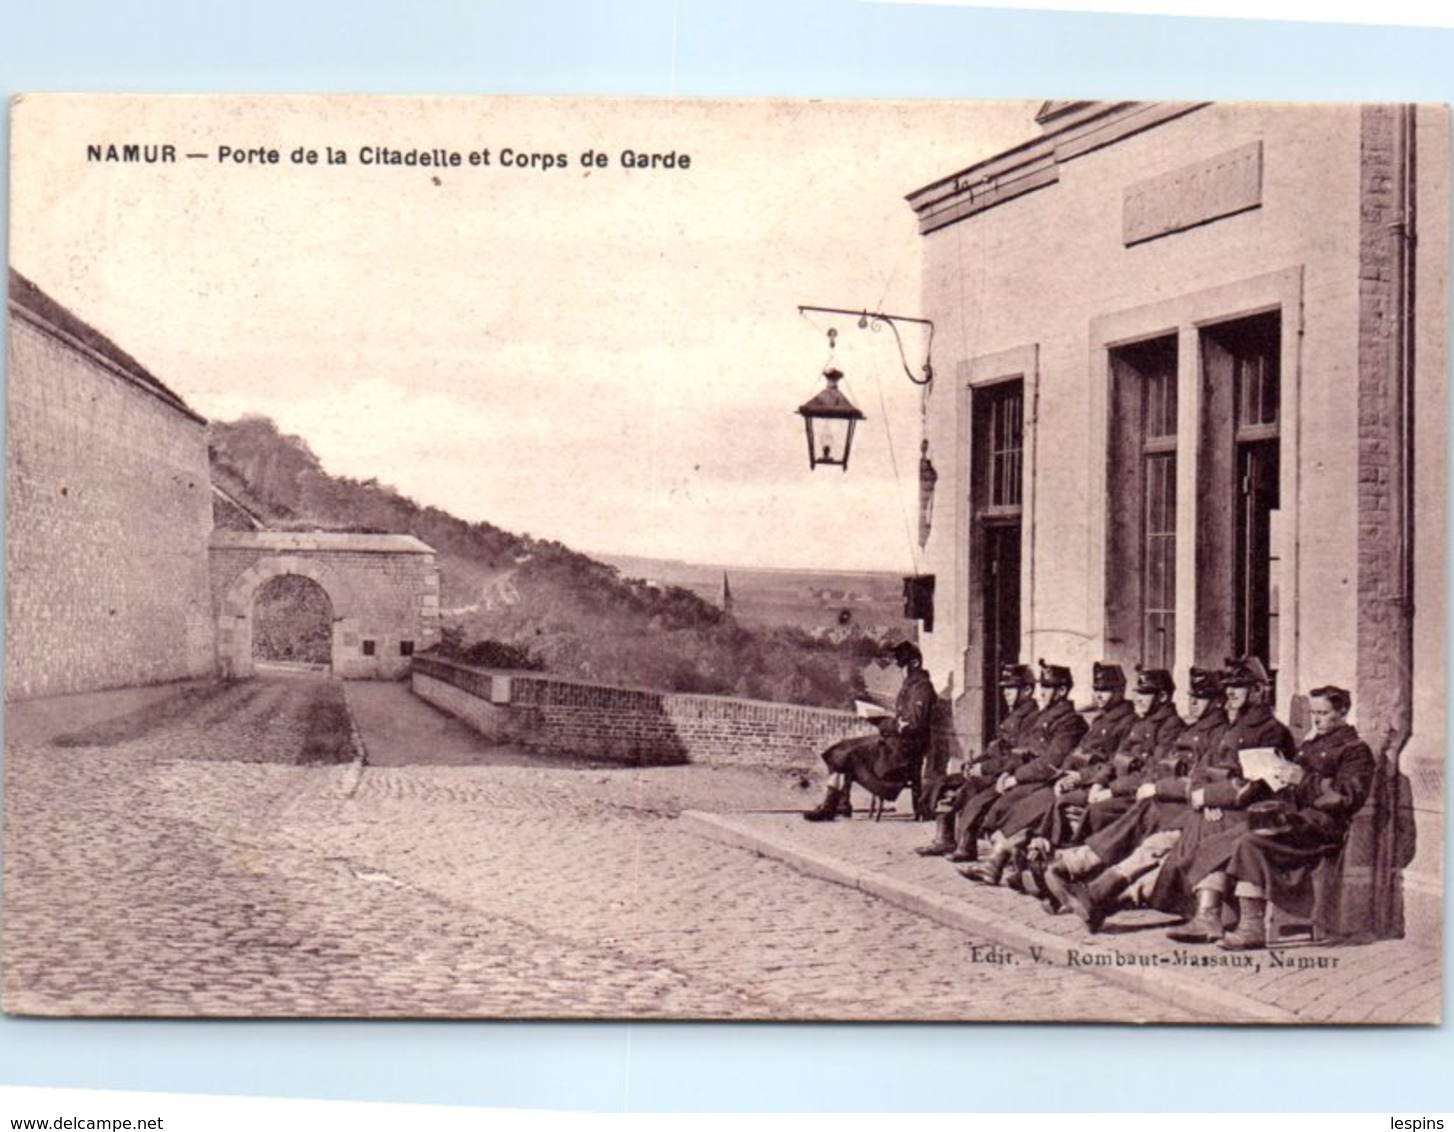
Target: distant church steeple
{"x": 726, "y": 594}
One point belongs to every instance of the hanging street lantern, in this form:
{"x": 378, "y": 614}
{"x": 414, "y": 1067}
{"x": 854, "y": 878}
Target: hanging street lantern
{"x": 830, "y": 419}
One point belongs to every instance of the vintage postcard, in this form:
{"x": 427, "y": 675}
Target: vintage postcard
{"x": 547, "y": 558}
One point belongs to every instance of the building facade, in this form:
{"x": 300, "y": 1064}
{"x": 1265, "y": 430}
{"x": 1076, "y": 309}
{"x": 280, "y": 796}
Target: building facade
{"x": 1192, "y": 404}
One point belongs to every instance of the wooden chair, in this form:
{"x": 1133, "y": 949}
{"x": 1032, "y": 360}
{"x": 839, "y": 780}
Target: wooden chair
{"x": 1321, "y": 924}
{"x": 914, "y": 785}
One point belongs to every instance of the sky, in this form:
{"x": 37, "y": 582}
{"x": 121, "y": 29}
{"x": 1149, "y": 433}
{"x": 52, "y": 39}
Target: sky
{"x": 606, "y": 356}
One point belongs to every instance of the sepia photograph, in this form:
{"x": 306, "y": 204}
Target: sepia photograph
{"x": 789, "y": 560}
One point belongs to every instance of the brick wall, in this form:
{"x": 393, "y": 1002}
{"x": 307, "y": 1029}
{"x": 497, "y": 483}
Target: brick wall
{"x": 629, "y": 725}
{"x": 1383, "y": 601}
{"x": 109, "y": 508}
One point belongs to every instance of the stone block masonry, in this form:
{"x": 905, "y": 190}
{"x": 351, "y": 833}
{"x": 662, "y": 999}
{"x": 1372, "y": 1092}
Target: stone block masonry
{"x": 629, "y": 725}
{"x": 383, "y": 591}
{"x": 109, "y": 507}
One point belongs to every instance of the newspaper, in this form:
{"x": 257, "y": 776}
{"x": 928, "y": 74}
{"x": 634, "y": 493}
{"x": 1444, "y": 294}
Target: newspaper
{"x": 1265, "y": 764}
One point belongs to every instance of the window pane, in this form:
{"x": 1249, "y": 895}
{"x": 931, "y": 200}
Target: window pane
{"x": 1257, "y": 389}
{"x": 1159, "y": 561}
{"x": 1006, "y": 442}
{"x": 1160, "y": 404}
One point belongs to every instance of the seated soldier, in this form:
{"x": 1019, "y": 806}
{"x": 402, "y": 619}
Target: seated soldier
{"x": 1017, "y": 686}
{"x": 885, "y": 763}
{"x": 1134, "y": 845}
{"x": 1308, "y": 822}
{"x": 1193, "y": 876}
{"x": 1112, "y": 720}
{"x": 1151, "y": 737}
{"x": 1056, "y": 731}
{"x": 1144, "y": 754}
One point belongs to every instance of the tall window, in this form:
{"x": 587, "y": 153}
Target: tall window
{"x": 1005, "y": 440}
{"x": 1238, "y": 473}
{"x": 1141, "y": 510}
{"x": 1158, "y": 527}
{"x": 1258, "y": 391}
{"x": 997, "y": 494}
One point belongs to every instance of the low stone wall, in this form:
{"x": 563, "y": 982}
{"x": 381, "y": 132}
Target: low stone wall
{"x": 629, "y": 725}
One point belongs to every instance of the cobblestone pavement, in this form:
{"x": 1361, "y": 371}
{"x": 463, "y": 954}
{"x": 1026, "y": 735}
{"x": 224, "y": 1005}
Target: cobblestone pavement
{"x": 1295, "y": 981}
{"x": 194, "y": 869}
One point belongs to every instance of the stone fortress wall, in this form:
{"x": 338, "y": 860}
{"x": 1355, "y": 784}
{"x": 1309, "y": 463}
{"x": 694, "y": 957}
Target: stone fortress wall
{"x": 109, "y": 505}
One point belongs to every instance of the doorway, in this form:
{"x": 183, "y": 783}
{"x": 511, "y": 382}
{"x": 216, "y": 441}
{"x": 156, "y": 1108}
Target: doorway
{"x": 996, "y": 494}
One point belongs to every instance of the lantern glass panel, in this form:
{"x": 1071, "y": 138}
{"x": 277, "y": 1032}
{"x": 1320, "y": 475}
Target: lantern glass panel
{"x": 830, "y": 439}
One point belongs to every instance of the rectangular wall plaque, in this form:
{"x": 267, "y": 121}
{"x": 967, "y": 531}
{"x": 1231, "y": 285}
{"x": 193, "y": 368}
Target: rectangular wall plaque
{"x": 1223, "y": 185}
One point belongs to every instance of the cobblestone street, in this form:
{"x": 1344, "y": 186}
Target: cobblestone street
{"x": 194, "y": 867}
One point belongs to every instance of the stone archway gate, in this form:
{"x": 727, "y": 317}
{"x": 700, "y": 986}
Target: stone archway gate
{"x": 384, "y": 590}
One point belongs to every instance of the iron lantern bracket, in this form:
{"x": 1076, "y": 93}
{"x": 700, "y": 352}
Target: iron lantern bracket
{"x": 877, "y": 320}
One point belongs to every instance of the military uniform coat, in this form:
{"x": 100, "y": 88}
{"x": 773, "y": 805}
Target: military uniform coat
{"x": 1338, "y": 775}
{"x": 1014, "y": 730}
{"x": 1148, "y": 744}
{"x": 1206, "y": 846}
{"x": 1102, "y": 740}
{"x": 1196, "y": 759}
{"x": 884, "y": 764}
{"x": 999, "y": 757}
{"x": 1053, "y": 735}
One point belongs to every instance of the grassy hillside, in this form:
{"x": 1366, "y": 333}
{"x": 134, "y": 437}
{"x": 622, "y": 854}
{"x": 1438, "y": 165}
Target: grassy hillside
{"x": 571, "y": 614}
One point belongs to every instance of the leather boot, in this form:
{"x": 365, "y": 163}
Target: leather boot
{"x": 1100, "y": 897}
{"x": 943, "y": 843}
{"x": 1058, "y": 882}
{"x": 1032, "y": 873}
{"x": 966, "y": 849}
{"x": 1015, "y": 871}
{"x": 988, "y": 872}
{"x": 1250, "y": 934}
{"x": 845, "y": 801}
{"x": 1206, "y": 925}
{"x": 826, "y": 810}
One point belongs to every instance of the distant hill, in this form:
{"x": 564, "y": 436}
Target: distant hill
{"x": 817, "y": 600}
{"x": 572, "y": 614}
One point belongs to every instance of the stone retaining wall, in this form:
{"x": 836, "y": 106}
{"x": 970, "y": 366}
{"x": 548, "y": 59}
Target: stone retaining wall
{"x": 630, "y": 725}
{"x": 109, "y": 505}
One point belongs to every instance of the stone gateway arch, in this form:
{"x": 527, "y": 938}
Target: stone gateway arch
{"x": 384, "y": 590}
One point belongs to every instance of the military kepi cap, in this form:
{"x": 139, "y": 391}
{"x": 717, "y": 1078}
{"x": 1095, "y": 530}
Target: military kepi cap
{"x": 1154, "y": 680}
{"x": 1107, "y": 677}
{"x": 1055, "y": 676}
{"x": 1016, "y": 676}
{"x": 907, "y": 653}
{"x": 1244, "y": 672}
{"x": 1206, "y": 683}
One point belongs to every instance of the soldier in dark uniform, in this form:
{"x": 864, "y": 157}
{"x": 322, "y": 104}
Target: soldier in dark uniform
{"x": 1017, "y": 687}
{"x": 1135, "y": 844}
{"x": 1308, "y": 822}
{"x": 1151, "y": 738}
{"x": 1109, "y": 726}
{"x": 1193, "y": 877}
{"x": 885, "y": 763}
{"x": 1056, "y": 731}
